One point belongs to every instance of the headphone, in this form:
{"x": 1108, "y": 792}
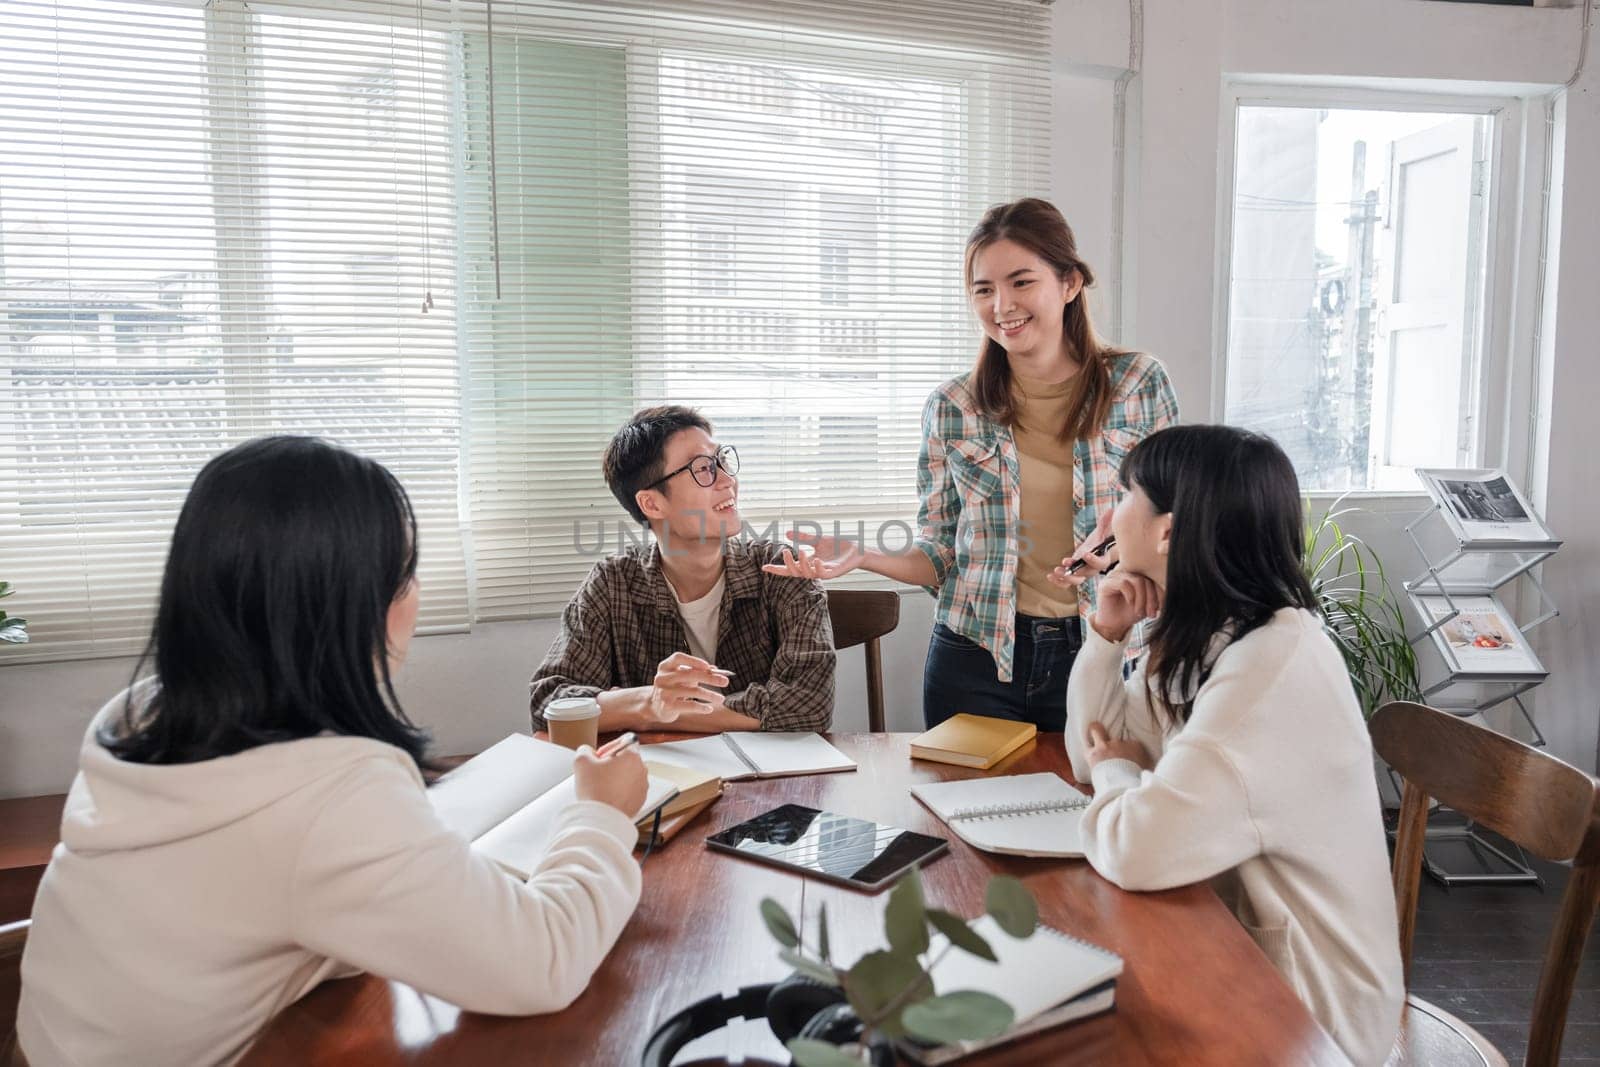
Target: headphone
{"x": 798, "y": 1006}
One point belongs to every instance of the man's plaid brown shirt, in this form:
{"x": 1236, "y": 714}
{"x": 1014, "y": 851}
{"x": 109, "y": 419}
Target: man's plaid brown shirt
{"x": 774, "y": 637}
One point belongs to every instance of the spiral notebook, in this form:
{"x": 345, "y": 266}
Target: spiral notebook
{"x": 1014, "y": 814}
{"x": 1048, "y": 978}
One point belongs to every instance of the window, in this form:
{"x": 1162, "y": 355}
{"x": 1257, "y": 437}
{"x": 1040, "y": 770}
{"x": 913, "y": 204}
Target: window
{"x": 225, "y": 220}
{"x": 1357, "y": 287}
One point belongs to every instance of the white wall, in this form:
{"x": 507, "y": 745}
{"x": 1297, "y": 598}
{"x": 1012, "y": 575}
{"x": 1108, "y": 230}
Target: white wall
{"x": 471, "y": 689}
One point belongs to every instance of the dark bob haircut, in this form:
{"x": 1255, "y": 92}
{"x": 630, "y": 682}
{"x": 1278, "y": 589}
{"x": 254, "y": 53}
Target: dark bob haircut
{"x": 636, "y": 456}
{"x": 1238, "y": 543}
{"x": 273, "y": 620}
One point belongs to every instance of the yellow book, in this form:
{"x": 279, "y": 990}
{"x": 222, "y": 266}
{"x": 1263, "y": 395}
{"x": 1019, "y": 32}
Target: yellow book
{"x": 693, "y": 788}
{"x": 972, "y": 740}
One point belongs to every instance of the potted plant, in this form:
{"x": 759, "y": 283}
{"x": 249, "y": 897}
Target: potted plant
{"x": 889, "y": 993}
{"x": 12, "y": 629}
{"x": 1364, "y": 621}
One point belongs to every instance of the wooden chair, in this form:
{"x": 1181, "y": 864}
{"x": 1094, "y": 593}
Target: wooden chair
{"x": 862, "y": 616}
{"x": 12, "y": 937}
{"x": 1548, "y": 807}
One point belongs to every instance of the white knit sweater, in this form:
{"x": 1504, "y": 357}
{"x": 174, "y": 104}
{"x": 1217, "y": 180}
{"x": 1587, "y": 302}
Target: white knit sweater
{"x": 187, "y": 904}
{"x": 1268, "y": 790}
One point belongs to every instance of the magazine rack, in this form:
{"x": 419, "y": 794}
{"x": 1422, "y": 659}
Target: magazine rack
{"x": 1477, "y": 538}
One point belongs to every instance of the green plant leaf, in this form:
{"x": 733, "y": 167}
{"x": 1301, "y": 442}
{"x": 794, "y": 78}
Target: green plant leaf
{"x": 5, "y": 590}
{"x": 1012, "y": 906}
{"x": 811, "y": 1053}
{"x": 808, "y": 967}
{"x": 779, "y": 925}
{"x": 965, "y": 1015}
{"x": 12, "y": 630}
{"x": 822, "y": 934}
{"x": 905, "y": 919}
{"x": 960, "y": 934}
{"x": 879, "y": 978}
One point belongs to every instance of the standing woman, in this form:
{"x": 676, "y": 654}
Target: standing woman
{"x": 1019, "y": 459}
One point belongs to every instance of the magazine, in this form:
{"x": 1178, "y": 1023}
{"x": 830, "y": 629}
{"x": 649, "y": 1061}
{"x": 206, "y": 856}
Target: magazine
{"x": 1483, "y": 505}
{"x": 1481, "y": 640}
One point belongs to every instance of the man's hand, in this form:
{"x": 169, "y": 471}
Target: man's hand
{"x": 679, "y": 688}
{"x": 1102, "y": 747}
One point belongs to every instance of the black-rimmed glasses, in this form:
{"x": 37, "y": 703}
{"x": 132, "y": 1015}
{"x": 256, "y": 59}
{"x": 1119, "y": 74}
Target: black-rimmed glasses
{"x": 703, "y": 469}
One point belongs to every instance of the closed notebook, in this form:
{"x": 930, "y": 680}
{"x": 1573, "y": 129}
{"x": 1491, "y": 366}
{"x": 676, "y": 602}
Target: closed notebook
{"x": 1014, "y": 814}
{"x": 507, "y": 799}
{"x": 694, "y": 787}
{"x": 972, "y": 740}
{"x": 732, "y": 756}
{"x": 1048, "y": 979}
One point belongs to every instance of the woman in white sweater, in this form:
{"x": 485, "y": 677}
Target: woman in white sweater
{"x": 252, "y": 820}
{"x": 1236, "y": 752}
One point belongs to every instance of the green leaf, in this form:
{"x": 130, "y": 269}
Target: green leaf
{"x": 5, "y": 590}
{"x": 905, "y": 920}
{"x": 779, "y": 925}
{"x": 822, "y": 933}
{"x": 12, "y": 631}
{"x": 810, "y": 1053}
{"x": 1012, "y": 906}
{"x": 960, "y": 934}
{"x": 808, "y": 967}
{"x": 876, "y": 980}
{"x": 965, "y": 1015}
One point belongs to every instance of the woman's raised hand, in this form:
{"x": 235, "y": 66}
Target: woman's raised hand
{"x": 818, "y": 557}
{"x": 1093, "y": 565}
{"x": 1122, "y": 599}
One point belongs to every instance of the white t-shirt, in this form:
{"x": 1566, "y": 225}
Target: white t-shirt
{"x": 701, "y": 619}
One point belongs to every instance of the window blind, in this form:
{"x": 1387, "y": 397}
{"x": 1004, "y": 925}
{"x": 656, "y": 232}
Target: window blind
{"x": 216, "y": 222}
{"x": 756, "y": 209}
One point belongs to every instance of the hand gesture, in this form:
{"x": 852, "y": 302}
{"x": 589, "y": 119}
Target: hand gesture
{"x": 680, "y": 689}
{"x": 1102, "y": 747}
{"x": 1093, "y": 565}
{"x": 818, "y": 557}
{"x": 1123, "y": 599}
{"x": 618, "y": 780}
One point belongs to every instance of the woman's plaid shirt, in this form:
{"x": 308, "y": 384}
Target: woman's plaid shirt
{"x": 970, "y": 482}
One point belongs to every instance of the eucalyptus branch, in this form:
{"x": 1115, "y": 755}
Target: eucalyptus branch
{"x": 900, "y": 999}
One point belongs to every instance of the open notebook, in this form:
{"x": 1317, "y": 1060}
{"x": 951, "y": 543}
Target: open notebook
{"x": 1048, "y": 979}
{"x": 506, "y": 799}
{"x": 1017, "y": 814}
{"x": 732, "y": 756}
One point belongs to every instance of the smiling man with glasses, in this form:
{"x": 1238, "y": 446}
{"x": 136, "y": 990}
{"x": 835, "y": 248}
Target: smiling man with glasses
{"x": 688, "y": 633}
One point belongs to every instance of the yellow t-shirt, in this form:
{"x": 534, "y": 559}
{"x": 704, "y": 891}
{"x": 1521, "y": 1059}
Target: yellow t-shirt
{"x": 1046, "y": 462}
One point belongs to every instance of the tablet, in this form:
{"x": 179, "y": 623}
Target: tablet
{"x": 838, "y": 848}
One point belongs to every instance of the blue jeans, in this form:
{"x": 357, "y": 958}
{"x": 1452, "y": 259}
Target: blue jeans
{"x": 961, "y": 675}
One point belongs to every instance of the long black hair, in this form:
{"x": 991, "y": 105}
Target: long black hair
{"x": 273, "y": 620}
{"x": 1237, "y": 546}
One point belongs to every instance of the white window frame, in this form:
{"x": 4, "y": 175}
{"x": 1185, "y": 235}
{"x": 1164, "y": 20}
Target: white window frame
{"x": 1505, "y": 356}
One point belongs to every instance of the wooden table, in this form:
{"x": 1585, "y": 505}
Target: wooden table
{"x": 29, "y": 830}
{"x": 1195, "y": 990}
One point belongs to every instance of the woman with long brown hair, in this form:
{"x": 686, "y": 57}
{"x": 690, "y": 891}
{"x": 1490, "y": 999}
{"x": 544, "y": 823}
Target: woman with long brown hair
{"x": 1017, "y": 475}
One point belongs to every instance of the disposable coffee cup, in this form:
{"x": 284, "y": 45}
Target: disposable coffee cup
{"x": 574, "y": 721}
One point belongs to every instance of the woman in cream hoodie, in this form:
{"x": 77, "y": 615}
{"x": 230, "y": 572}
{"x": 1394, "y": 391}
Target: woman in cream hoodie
{"x": 252, "y": 820}
{"x": 1236, "y": 752}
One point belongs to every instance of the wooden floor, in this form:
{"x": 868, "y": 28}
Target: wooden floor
{"x": 1477, "y": 955}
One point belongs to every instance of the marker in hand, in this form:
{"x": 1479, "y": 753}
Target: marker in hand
{"x": 1098, "y": 550}
{"x": 618, "y": 744}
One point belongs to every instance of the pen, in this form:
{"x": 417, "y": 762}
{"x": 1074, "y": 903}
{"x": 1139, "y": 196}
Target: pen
{"x": 621, "y": 743}
{"x": 1098, "y": 550}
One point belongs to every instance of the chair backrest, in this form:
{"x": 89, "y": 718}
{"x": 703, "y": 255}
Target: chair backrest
{"x": 861, "y": 617}
{"x": 1548, "y": 807}
{"x": 13, "y": 936}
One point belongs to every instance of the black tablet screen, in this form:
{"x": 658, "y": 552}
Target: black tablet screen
{"x": 841, "y": 848}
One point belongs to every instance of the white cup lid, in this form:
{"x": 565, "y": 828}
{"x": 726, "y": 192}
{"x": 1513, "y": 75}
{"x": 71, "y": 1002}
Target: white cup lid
{"x": 570, "y": 708}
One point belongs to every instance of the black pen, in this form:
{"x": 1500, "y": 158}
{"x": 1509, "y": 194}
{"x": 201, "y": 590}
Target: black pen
{"x": 1098, "y": 550}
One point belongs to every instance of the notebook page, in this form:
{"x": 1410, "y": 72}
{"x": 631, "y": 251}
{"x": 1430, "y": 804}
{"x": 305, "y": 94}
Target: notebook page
{"x": 1040, "y": 833}
{"x": 501, "y": 779}
{"x": 779, "y": 754}
{"x": 1033, "y": 974}
{"x": 519, "y": 842}
{"x": 710, "y": 754}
